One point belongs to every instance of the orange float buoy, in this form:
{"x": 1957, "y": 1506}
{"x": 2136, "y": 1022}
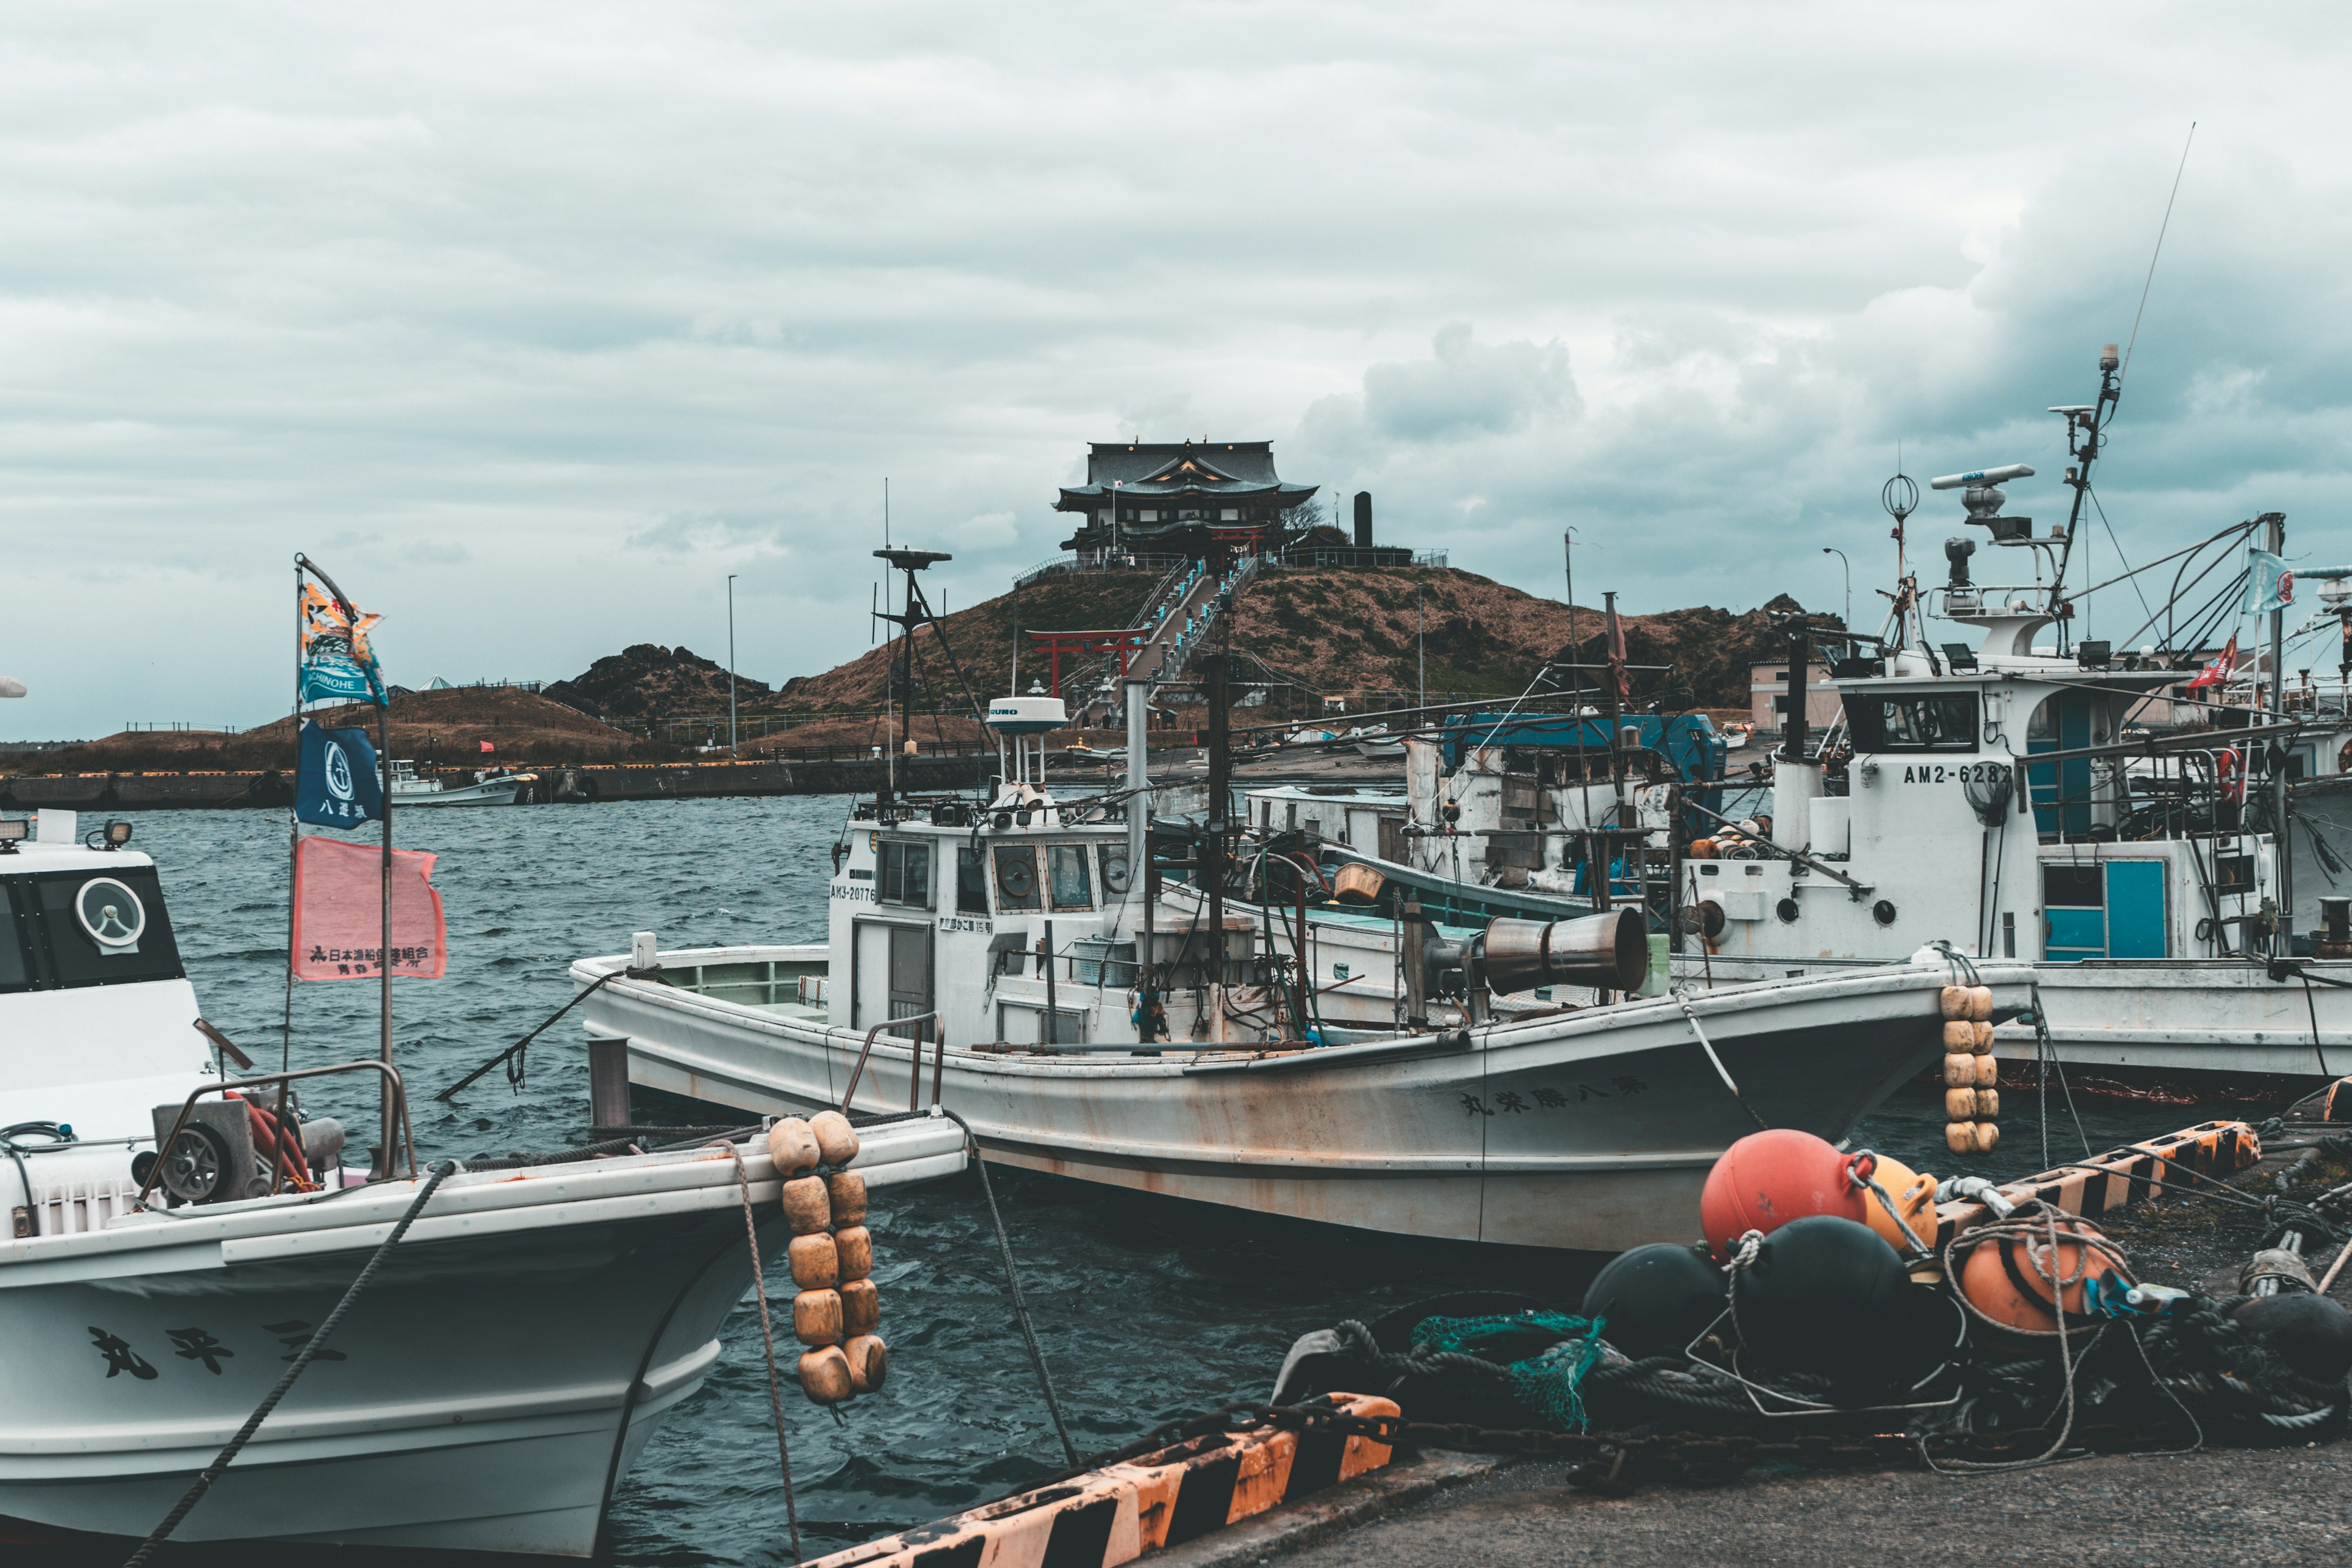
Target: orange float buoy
{"x": 807, "y": 1209}
{"x": 1984, "y": 1071}
{"x": 2019, "y": 1281}
{"x": 1768, "y": 1179}
{"x": 1913, "y": 1196}
{"x": 1959, "y": 1072}
{"x": 869, "y": 1362}
{"x": 837, "y": 1140}
{"x": 825, "y": 1376}
{"x": 854, "y": 1244}
{"x": 816, "y": 1264}
{"x": 1987, "y": 1136}
{"x": 1981, "y": 1002}
{"x": 1954, "y": 1002}
{"x": 817, "y": 1317}
{"x": 793, "y": 1147}
{"x": 1983, "y": 1044}
{"x": 1960, "y": 1137}
{"x": 1959, "y": 1105}
{"x": 1959, "y": 1037}
{"x": 861, "y": 1307}
{"x": 846, "y": 1189}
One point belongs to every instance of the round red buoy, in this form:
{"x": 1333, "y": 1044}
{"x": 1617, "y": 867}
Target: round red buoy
{"x": 1768, "y": 1179}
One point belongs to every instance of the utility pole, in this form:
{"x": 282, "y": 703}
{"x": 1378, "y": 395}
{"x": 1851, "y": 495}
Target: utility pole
{"x": 1421, "y": 652}
{"x": 731, "y": 666}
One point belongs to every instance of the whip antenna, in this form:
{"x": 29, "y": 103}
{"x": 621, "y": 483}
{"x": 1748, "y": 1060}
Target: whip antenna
{"x": 2160, "y": 229}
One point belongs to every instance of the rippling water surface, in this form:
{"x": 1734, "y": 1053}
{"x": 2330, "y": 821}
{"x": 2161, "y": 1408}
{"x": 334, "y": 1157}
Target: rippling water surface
{"x": 1147, "y": 1308}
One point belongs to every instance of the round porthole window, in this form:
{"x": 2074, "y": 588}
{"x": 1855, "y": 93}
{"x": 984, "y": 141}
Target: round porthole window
{"x": 1882, "y": 912}
{"x": 110, "y": 912}
{"x": 1787, "y": 910}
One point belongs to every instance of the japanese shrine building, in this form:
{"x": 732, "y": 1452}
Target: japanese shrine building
{"x": 1138, "y": 492}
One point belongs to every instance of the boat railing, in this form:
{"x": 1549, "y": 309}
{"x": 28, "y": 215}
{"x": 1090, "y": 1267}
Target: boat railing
{"x": 938, "y": 1043}
{"x": 179, "y": 1124}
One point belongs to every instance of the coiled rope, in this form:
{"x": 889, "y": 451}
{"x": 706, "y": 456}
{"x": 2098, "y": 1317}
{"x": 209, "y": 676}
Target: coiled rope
{"x": 438, "y": 1170}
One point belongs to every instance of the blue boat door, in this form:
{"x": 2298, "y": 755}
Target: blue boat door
{"x": 2103, "y": 909}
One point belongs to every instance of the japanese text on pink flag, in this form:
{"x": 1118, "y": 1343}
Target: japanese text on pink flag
{"x": 339, "y": 912}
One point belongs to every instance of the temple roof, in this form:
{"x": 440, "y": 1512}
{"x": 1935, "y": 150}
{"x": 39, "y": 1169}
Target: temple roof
{"x": 1158, "y": 472}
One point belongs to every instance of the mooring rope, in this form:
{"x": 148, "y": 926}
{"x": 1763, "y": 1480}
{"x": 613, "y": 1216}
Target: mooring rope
{"x": 768, "y": 1338}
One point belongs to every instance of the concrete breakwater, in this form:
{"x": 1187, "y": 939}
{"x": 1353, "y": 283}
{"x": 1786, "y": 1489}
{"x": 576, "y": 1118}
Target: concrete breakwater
{"x": 547, "y": 785}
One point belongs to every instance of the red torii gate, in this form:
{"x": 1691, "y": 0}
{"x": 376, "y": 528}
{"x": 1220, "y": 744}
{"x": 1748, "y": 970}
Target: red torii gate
{"x": 1125, "y": 643}
{"x": 1247, "y": 540}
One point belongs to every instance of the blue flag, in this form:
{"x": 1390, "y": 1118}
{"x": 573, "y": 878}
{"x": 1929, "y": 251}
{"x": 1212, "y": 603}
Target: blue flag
{"x": 336, "y": 784}
{"x": 2270, "y": 585}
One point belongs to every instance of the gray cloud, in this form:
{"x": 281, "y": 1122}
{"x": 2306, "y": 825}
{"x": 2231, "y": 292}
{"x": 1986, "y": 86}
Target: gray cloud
{"x": 544, "y": 319}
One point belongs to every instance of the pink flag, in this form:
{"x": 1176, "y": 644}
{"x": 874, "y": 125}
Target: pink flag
{"x": 339, "y": 912}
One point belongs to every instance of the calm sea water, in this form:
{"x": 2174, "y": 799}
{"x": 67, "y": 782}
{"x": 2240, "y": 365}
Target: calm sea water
{"x": 1147, "y": 1308}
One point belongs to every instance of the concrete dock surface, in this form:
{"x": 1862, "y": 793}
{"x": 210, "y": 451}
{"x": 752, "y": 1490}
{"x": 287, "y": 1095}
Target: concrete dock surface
{"x": 2275, "y": 1506}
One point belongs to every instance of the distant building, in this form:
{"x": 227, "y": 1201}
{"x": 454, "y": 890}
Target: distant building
{"x": 1158, "y": 497}
{"x": 1768, "y": 682}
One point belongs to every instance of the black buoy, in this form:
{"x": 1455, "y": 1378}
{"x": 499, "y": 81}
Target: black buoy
{"x": 2310, "y": 1333}
{"x": 1656, "y": 1299}
{"x": 1825, "y": 1295}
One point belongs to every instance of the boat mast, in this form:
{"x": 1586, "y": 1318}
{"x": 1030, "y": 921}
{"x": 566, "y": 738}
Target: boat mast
{"x": 1212, "y": 856}
{"x": 2085, "y": 427}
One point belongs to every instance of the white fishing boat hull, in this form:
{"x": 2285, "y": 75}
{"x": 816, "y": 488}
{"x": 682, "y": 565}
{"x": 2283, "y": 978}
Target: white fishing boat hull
{"x": 2153, "y": 1017}
{"x": 493, "y": 792}
{"x": 502, "y": 1374}
{"x": 1592, "y": 1129}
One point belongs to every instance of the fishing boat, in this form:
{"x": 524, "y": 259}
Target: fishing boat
{"x": 2015, "y": 792}
{"x": 491, "y": 786}
{"x": 504, "y": 1368}
{"x": 1017, "y": 958}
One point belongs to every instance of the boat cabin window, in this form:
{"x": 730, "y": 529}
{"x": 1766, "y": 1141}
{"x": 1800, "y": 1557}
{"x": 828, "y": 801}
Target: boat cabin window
{"x": 906, "y": 873}
{"x": 972, "y": 881}
{"x": 1944, "y": 722}
{"x": 1073, "y": 885}
{"x": 1017, "y": 876}
{"x": 1114, "y": 870}
{"x": 86, "y": 928}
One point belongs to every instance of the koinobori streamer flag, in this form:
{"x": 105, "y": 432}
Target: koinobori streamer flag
{"x": 338, "y": 663}
{"x": 339, "y": 912}
{"x": 335, "y": 785}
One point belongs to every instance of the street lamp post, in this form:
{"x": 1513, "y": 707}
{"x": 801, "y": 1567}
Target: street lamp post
{"x": 731, "y": 666}
{"x": 1827, "y": 550}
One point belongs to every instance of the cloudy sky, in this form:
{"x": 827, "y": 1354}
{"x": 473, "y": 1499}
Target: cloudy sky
{"x": 534, "y": 322}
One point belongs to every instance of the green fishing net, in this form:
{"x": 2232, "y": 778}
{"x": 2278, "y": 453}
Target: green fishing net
{"x": 1547, "y": 1381}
